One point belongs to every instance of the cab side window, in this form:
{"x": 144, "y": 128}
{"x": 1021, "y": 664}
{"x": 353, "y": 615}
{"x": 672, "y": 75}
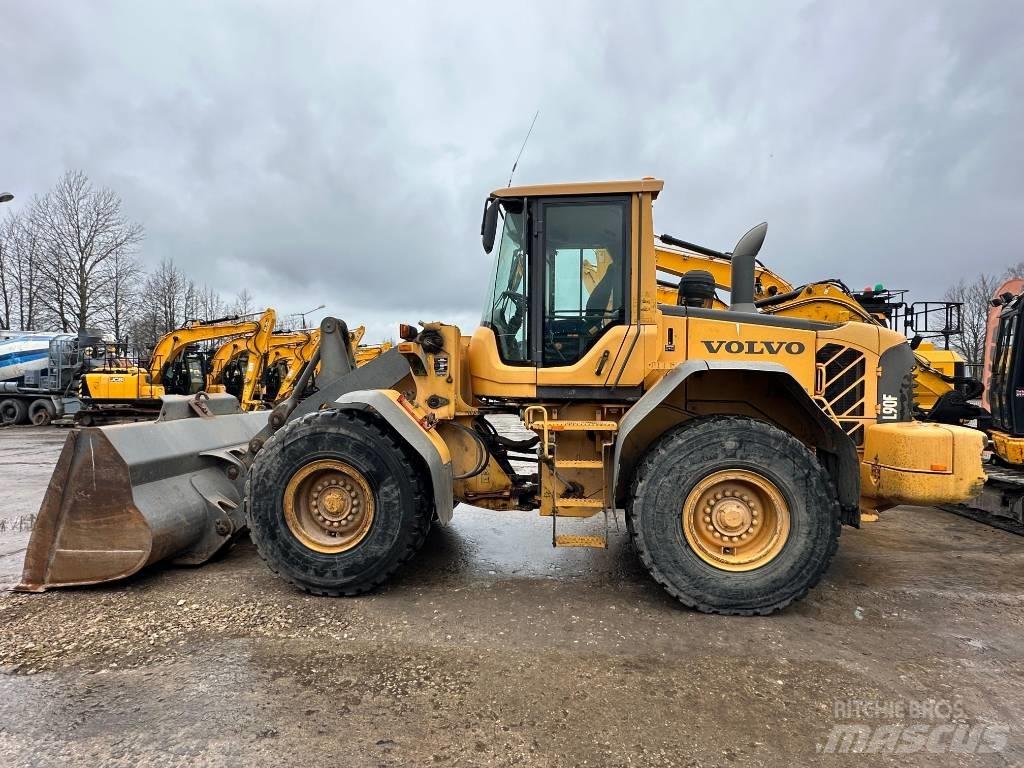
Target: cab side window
{"x": 586, "y": 272}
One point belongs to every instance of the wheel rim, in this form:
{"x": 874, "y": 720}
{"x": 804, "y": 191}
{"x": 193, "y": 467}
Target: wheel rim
{"x": 736, "y": 520}
{"x": 328, "y": 506}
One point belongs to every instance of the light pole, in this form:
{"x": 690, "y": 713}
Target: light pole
{"x": 310, "y": 312}
{"x": 6, "y": 197}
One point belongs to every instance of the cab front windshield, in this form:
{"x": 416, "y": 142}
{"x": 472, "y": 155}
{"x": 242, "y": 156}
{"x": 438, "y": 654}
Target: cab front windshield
{"x": 506, "y": 309}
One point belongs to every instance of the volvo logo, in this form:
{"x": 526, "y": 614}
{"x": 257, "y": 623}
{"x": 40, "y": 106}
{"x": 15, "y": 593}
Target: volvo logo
{"x": 755, "y": 347}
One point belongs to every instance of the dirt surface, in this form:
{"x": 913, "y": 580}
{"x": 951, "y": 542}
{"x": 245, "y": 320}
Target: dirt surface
{"x": 493, "y": 649}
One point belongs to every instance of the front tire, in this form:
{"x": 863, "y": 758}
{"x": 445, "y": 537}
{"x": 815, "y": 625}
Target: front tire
{"x": 337, "y": 503}
{"x": 732, "y": 515}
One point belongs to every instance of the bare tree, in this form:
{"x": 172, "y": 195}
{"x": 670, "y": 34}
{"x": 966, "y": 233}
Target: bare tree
{"x": 975, "y": 296}
{"x": 243, "y": 303}
{"x": 83, "y": 230}
{"x": 163, "y": 291}
{"x": 7, "y": 291}
{"x": 121, "y": 301}
{"x": 210, "y": 304}
{"x": 21, "y": 271}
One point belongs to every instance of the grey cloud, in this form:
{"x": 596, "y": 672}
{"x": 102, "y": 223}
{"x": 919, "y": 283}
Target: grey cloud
{"x": 340, "y": 153}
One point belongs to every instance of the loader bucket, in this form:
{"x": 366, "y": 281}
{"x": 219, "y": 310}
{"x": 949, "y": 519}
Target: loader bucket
{"x": 126, "y": 496}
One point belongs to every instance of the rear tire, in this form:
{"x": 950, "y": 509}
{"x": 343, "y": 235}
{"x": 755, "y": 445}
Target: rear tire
{"x": 13, "y": 411}
{"x": 374, "y": 466}
{"x": 676, "y": 520}
{"x": 41, "y": 412}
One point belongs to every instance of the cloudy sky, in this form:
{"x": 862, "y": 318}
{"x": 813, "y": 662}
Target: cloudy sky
{"x": 340, "y": 152}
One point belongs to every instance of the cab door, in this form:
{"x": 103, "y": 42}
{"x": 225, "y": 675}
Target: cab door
{"x": 582, "y": 327}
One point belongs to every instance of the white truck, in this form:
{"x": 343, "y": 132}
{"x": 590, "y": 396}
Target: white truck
{"x": 39, "y": 373}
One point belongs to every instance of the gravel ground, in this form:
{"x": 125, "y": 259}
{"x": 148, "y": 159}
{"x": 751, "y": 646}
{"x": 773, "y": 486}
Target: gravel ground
{"x": 493, "y": 649}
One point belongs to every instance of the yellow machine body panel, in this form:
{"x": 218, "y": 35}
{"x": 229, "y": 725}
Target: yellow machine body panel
{"x": 935, "y": 368}
{"x": 122, "y": 385}
{"x": 1007, "y": 447}
{"x": 917, "y": 463}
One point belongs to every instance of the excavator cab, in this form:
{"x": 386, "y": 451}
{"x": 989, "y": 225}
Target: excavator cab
{"x": 1006, "y": 385}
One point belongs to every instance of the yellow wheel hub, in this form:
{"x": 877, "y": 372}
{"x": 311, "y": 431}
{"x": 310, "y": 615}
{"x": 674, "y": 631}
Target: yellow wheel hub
{"x": 736, "y": 520}
{"x": 328, "y": 506}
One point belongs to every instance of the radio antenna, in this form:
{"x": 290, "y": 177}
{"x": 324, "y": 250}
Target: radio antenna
{"x": 535, "y": 115}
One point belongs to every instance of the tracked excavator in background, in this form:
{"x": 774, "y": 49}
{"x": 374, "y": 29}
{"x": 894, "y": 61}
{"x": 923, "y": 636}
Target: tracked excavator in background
{"x": 237, "y": 367}
{"x": 288, "y": 354}
{"x": 291, "y": 352}
{"x": 134, "y": 391}
{"x": 1001, "y": 501}
{"x": 737, "y": 442}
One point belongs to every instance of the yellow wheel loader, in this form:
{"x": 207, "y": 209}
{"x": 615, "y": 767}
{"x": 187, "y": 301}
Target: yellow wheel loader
{"x": 114, "y": 392}
{"x": 736, "y": 442}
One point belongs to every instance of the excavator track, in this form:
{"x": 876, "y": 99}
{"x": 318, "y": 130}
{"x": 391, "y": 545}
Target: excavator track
{"x": 1001, "y": 502}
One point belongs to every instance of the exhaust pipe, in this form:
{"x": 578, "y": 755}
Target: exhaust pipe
{"x": 743, "y": 258}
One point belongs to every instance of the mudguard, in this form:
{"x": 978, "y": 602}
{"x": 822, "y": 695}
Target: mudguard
{"x": 846, "y": 474}
{"x": 427, "y": 443}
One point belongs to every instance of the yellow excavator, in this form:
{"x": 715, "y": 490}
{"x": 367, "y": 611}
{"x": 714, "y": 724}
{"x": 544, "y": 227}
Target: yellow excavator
{"x": 1001, "y": 501}
{"x": 133, "y": 391}
{"x": 237, "y": 367}
{"x": 290, "y": 352}
{"x": 735, "y": 442}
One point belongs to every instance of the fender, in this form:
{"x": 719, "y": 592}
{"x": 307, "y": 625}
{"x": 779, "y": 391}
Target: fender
{"x": 830, "y": 436}
{"x": 428, "y": 445}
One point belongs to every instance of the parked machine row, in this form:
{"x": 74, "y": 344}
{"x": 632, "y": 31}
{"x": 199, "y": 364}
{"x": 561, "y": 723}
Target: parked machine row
{"x": 49, "y": 376}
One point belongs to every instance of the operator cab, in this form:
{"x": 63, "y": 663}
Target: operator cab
{"x": 563, "y": 285}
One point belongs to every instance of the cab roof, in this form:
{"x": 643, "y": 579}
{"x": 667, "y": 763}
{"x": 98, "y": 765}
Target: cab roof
{"x": 646, "y": 184}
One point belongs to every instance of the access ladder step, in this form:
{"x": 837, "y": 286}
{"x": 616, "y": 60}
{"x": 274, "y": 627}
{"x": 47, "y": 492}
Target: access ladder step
{"x": 577, "y": 426}
{"x": 569, "y": 540}
{"x": 572, "y": 501}
{"x": 579, "y": 464}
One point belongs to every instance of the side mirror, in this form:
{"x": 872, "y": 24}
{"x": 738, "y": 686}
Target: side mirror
{"x": 489, "y": 225}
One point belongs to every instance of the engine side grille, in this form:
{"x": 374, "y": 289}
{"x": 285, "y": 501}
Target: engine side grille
{"x": 842, "y": 388}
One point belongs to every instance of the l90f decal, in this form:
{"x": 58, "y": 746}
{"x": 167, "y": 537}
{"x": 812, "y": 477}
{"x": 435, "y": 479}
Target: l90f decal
{"x": 890, "y": 407}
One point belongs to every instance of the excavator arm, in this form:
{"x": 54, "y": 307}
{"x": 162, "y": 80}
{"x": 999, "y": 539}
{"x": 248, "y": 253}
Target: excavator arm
{"x": 299, "y": 353}
{"x": 676, "y": 261}
{"x": 172, "y": 345}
